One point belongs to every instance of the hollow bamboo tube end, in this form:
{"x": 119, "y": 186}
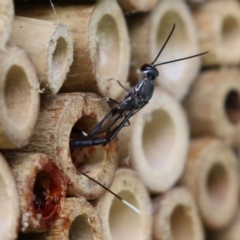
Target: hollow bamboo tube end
{"x": 159, "y": 142}
{"x": 175, "y": 216}
{"x": 9, "y": 210}
{"x": 119, "y": 221}
{"x": 137, "y": 6}
{"x": 19, "y": 98}
{"x": 218, "y": 24}
{"x": 211, "y": 175}
{"x": 41, "y": 189}
{"x": 213, "y": 105}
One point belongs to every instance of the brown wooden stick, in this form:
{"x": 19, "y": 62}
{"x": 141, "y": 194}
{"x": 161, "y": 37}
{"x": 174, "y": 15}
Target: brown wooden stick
{"x": 50, "y": 47}
{"x": 218, "y": 24}
{"x": 119, "y": 221}
{"x": 9, "y": 202}
{"x": 176, "y": 216}
{"x": 137, "y": 5}
{"x": 101, "y": 44}
{"x": 157, "y": 142}
{"x": 213, "y": 105}
{"x": 19, "y": 98}
{"x": 41, "y": 189}
{"x": 148, "y": 33}
{"x": 212, "y": 177}
{"x": 58, "y": 115}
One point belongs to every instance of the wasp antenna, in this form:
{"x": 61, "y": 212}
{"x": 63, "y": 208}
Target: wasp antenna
{"x": 117, "y": 196}
{"x": 180, "y": 59}
{"x": 164, "y": 44}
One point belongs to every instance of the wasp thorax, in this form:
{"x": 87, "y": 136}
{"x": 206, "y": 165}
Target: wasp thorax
{"x": 149, "y": 71}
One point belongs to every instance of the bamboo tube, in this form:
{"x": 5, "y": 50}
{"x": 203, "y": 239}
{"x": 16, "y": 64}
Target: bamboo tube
{"x": 101, "y": 44}
{"x": 19, "y": 98}
{"x": 148, "y": 32}
{"x": 78, "y": 220}
{"x": 213, "y": 105}
{"x": 212, "y": 177}
{"x": 41, "y": 190}
{"x": 157, "y": 142}
{"x": 9, "y": 210}
{"x": 175, "y": 216}
{"x": 119, "y": 221}
{"x": 51, "y": 51}
{"x": 6, "y": 19}
{"x": 58, "y": 115}
{"x": 218, "y": 24}
{"x": 137, "y": 6}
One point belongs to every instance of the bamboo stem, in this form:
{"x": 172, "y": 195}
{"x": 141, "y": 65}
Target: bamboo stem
{"x": 9, "y": 210}
{"x": 218, "y": 24}
{"x": 19, "y": 98}
{"x": 50, "y": 47}
{"x": 175, "y": 216}
{"x": 157, "y": 142}
{"x": 41, "y": 189}
{"x": 148, "y": 33}
{"x": 58, "y": 115}
{"x": 119, "y": 221}
{"x": 101, "y": 44}
{"x": 137, "y": 5}
{"x": 213, "y": 105}
{"x": 212, "y": 177}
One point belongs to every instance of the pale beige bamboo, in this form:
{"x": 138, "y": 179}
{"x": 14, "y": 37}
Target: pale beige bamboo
{"x": 212, "y": 176}
{"x": 6, "y": 20}
{"x": 213, "y": 105}
{"x": 218, "y": 24}
{"x": 101, "y": 44}
{"x": 57, "y": 117}
{"x": 9, "y": 210}
{"x": 137, "y": 5}
{"x": 175, "y": 217}
{"x": 118, "y": 220}
{"x": 148, "y": 33}
{"x": 78, "y": 220}
{"x": 19, "y": 98}
{"x": 50, "y": 47}
{"x": 157, "y": 142}
{"x": 41, "y": 189}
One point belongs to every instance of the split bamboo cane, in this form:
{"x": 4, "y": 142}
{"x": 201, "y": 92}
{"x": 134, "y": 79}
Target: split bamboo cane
{"x": 212, "y": 177}
{"x": 58, "y": 115}
{"x": 148, "y": 32}
{"x": 50, "y": 47}
{"x": 101, "y": 44}
{"x": 9, "y": 210}
{"x": 41, "y": 189}
{"x": 175, "y": 216}
{"x": 213, "y": 105}
{"x": 19, "y": 98}
{"x": 137, "y": 5}
{"x": 119, "y": 221}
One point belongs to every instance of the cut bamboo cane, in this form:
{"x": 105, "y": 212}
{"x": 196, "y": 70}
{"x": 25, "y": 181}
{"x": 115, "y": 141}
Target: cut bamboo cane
{"x": 9, "y": 210}
{"x": 50, "y": 47}
{"x": 218, "y": 24}
{"x": 148, "y": 33}
{"x": 6, "y": 20}
{"x": 175, "y": 216}
{"x": 212, "y": 177}
{"x": 157, "y": 142}
{"x": 119, "y": 221}
{"x": 58, "y": 115}
{"x": 137, "y": 5}
{"x": 78, "y": 220}
{"x": 101, "y": 44}
{"x": 213, "y": 105}
{"x": 19, "y": 98}
{"x": 41, "y": 189}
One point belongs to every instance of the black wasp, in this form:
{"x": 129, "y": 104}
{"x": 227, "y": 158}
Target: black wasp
{"x": 134, "y": 101}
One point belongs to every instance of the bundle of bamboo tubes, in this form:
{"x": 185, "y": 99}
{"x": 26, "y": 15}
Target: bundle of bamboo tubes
{"x": 64, "y": 66}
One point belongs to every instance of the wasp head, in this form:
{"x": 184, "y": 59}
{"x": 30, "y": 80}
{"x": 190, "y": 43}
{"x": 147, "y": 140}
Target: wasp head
{"x": 149, "y": 71}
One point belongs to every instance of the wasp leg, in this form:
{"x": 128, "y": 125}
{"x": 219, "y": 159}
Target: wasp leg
{"x": 120, "y": 84}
